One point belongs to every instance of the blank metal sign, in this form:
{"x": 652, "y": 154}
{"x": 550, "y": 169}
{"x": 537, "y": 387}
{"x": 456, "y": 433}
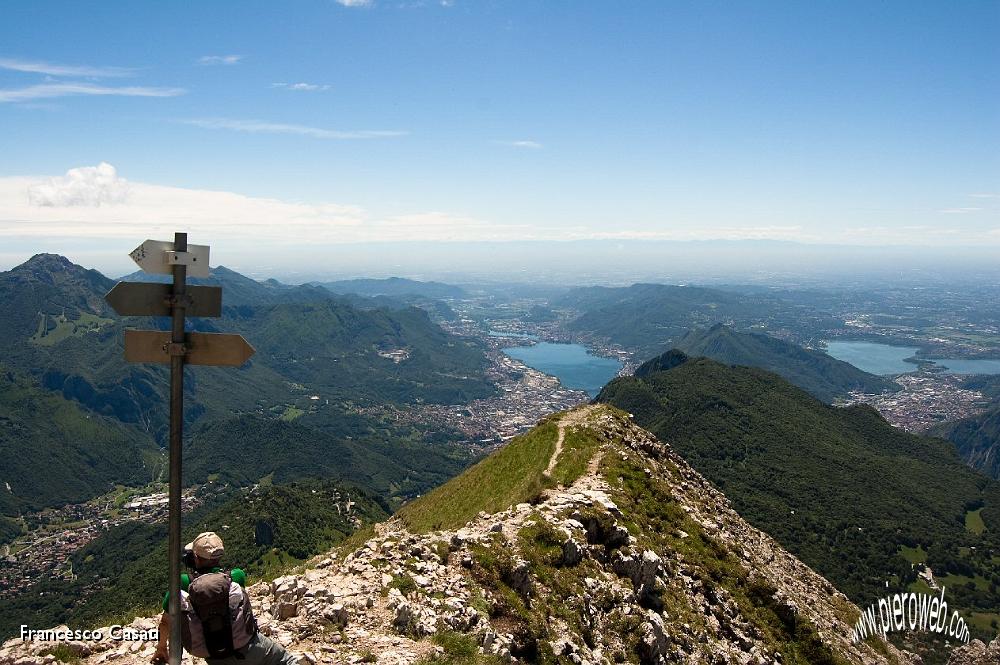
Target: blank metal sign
{"x": 151, "y": 299}
{"x": 151, "y": 346}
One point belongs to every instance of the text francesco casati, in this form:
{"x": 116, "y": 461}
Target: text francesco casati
{"x": 116, "y": 633}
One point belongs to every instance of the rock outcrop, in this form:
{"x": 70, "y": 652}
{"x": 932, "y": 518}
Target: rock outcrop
{"x": 977, "y": 653}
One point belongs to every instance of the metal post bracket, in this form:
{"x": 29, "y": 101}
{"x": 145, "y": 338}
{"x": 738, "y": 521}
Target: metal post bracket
{"x": 175, "y": 258}
{"x": 179, "y": 301}
{"x": 176, "y": 349}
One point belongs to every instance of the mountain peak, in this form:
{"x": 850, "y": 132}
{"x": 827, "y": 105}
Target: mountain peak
{"x": 662, "y": 363}
{"x": 57, "y": 270}
{"x": 48, "y": 263}
{"x": 49, "y": 284}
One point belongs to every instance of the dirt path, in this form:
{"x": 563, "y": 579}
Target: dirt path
{"x": 557, "y": 451}
{"x": 574, "y": 417}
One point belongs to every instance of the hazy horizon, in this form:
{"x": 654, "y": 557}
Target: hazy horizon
{"x": 569, "y": 263}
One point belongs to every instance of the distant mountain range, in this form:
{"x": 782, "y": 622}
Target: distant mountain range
{"x": 393, "y": 293}
{"x": 239, "y": 290}
{"x": 651, "y": 318}
{"x": 98, "y": 418}
{"x": 393, "y": 286}
{"x": 839, "y": 487}
{"x": 823, "y": 376}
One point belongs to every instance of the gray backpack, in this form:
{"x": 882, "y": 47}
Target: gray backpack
{"x": 218, "y": 618}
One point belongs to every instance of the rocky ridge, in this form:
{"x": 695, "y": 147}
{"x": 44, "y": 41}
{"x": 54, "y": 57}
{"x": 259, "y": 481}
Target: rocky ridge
{"x": 976, "y": 653}
{"x": 638, "y": 559}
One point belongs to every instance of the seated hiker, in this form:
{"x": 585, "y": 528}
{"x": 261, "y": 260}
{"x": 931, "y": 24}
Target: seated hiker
{"x": 217, "y": 621}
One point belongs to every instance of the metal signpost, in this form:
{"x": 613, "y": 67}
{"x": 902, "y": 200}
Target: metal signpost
{"x": 176, "y": 300}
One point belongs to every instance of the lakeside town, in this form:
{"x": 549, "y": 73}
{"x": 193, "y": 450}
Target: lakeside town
{"x": 524, "y": 396}
{"x": 59, "y": 533}
{"x": 926, "y": 399}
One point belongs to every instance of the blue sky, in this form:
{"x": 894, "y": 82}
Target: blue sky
{"x": 315, "y": 122}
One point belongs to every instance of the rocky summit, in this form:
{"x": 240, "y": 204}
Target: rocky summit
{"x": 611, "y": 549}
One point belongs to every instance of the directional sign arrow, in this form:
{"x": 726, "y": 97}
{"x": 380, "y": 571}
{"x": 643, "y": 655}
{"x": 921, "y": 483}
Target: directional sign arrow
{"x": 150, "y": 299}
{"x": 153, "y": 346}
{"x": 158, "y": 256}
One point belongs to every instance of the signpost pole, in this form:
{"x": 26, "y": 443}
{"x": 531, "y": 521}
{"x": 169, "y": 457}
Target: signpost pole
{"x": 153, "y": 346}
{"x": 178, "y": 305}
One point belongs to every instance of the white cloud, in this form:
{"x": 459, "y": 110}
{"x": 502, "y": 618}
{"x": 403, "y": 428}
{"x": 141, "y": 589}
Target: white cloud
{"x": 220, "y": 59}
{"x": 531, "y": 145}
{"x": 959, "y": 211}
{"x": 85, "y": 186}
{"x": 260, "y": 127}
{"x": 985, "y": 196}
{"x": 97, "y": 205}
{"x": 53, "y": 90}
{"x": 355, "y": 3}
{"x": 302, "y": 87}
{"x": 36, "y": 67}
{"x": 78, "y": 206}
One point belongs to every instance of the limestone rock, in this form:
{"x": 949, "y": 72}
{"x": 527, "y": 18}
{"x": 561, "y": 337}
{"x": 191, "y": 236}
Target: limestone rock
{"x": 977, "y": 653}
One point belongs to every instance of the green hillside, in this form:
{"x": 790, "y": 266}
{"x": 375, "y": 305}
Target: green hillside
{"x": 509, "y": 476}
{"x": 823, "y": 376}
{"x": 840, "y": 488}
{"x": 52, "y": 451}
{"x": 977, "y": 440}
{"x": 123, "y": 573}
{"x": 250, "y": 449}
{"x": 336, "y": 346}
{"x": 516, "y": 473}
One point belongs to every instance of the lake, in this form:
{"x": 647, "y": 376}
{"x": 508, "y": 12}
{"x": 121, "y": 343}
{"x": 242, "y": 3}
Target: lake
{"x": 872, "y": 357}
{"x": 887, "y": 359}
{"x": 969, "y": 365}
{"x": 572, "y": 364}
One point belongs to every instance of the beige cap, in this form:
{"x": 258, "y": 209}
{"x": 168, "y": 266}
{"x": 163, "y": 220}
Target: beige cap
{"x": 207, "y": 546}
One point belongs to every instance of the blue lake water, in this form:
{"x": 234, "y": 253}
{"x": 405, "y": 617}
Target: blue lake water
{"x": 970, "y": 365}
{"x": 872, "y": 357}
{"x": 887, "y": 359}
{"x": 570, "y": 363}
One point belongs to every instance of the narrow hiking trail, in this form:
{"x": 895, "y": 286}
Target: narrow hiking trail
{"x": 576, "y": 417}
